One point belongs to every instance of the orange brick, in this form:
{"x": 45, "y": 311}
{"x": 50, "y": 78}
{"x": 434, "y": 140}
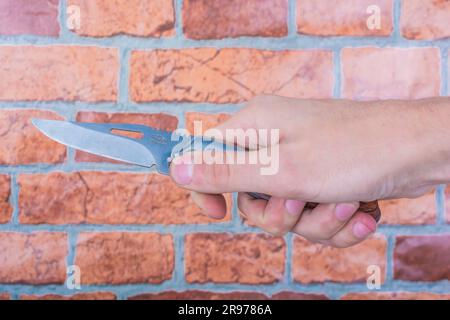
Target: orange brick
{"x": 104, "y": 18}
{"x": 234, "y": 18}
{"x": 37, "y": 17}
{"x": 78, "y": 296}
{"x": 395, "y": 296}
{"x": 228, "y": 75}
{"x": 106, "y": 198}
{"x": 5, "y": 296}
{"x": 159, "y": 121}
{"x": 33, "y": 258}
{"x": 343, "y": 17}
{"x": 234, "y": 258}
{"x": 425, "y": 19}
{"x": 22, "y": 143}
{"x": 390, "y": 73}
{"x": 447, "y": 203}
{"x": 121, "y": 257}
{"x": 422, "y": 258}
{"x": 421, "y": 210}
{"x": 68, "y": 73}
{"x": 5, "y": 205}
{"x": 317, "y": 263}
{"x": 207, "y": 120}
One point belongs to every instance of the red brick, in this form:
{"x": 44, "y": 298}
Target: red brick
{"x": 37, "y": 17}
{"x": 22, "y": 143}
{"x": 105, "y": 198}
{"x": 425, "y": 19}
{"x": 288, "y": 295}
{"x": 317, "y": 263}
{"x": 207, "y": 120}
{"x": 5, "y": 296}
{"x": 390, "y": 73}
{"x": 33, "y": 258}
{"x": 422, "y": 258}
{"x": 417, "y": 211}
{"x": 395, "y": 296}
{"x": 234, "y": 258}
{"x": 5, "y": 205}
{"x": 78, "y": 296}
{"x": 199, "y": 295}
{"x": 122, "y": 257}
{"x": 104, "y": 18}
{"x": 67, "y": 73}
{"x": 447, "y": 203}
{"x": 159, "y": 121}
{"x": 234, "y": 18}
{"x": 228, "y": 75}
{"x": 342, "y": 18}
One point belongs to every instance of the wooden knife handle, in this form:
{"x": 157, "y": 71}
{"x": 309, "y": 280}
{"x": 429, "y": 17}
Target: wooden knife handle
{"x": 371, "y": 207}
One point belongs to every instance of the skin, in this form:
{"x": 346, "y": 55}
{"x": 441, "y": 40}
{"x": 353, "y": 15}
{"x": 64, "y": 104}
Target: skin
{"x": 334, "y": 152}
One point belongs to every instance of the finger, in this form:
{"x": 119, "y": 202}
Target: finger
{"x": 325, "y": 220}
{"x": 276, "y": 216}
{"x": 359, "y": 228}
{"x": 212, "y": 205}
{"x": 191, "y": 172}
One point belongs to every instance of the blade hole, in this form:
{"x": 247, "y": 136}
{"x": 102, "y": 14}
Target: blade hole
{"x": 128, "y": 133}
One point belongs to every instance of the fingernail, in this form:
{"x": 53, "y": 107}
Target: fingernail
{"x": 294, "y": 207}
{"x": 344, "y": 211}
{"x": 181, "y": 171}
{"x": 361, "y": 231}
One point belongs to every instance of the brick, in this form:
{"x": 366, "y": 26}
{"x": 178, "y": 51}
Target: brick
{"x": 33, "y": 258}
{"x": 105, "y": 18}
{"x": 312, "y": 263}
{"x": 390, "y": 73}
{"x": 199, "y": 295}
{"x": 78, "y": 296}
{"x": 124, "y": 257}
{"x": 37, "y": 17}
{"x": 235, "y": 295}
{"x": 234, "y": 18}
{"x": 5, "y": 296}
{"x": 207, "y": 120}
{"x": 229, "y": 75}
{"x": 159, "y": 121}
{"x": 447, "y": 203}
{"x": 395, "y": 296}
{"x": 67, "y": 73}
{"x": 234, "y": 258}
{"x": 23, "y": 143}
{"x": 417, "y": 211}
{"x": 5, "y": 205}
{"x": 425, "y": 19}
{"x": 105, "y": 198}
{"x": 343, "y": 18}
{"x": 288, "y": 295}
{"x": 422, "y": 258}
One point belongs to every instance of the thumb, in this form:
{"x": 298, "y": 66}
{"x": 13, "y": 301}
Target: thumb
{"x": 190, "y": 173}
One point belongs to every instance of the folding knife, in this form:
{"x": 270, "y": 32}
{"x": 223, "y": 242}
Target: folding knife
{"x": 152, "y": 148}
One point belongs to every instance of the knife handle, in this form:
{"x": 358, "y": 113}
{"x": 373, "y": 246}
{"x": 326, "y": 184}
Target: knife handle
{"x": 371, "y": 207}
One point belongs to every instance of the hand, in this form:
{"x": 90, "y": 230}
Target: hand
{"x": 333, "y": 152}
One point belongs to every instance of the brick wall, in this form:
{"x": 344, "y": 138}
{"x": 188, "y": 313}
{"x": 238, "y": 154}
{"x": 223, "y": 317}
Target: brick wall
{"x": 166, "y": 63}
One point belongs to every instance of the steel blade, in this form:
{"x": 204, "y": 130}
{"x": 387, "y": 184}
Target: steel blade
{"x": 96, "y": 142}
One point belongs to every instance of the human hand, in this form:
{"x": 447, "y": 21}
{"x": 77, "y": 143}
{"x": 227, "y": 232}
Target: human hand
{"x": 334, "y": 152}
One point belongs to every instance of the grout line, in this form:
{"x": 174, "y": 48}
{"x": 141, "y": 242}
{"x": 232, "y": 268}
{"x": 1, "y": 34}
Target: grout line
{"x": 397, "y": 11}
{"x": 289, "y": 238}
{"x": 445, "y": 87}
{"x": 440, "y": 206}
{"x": 337, "y": 73}
{"x": 178, "y": 6}
{"x": 292, "y": 18}
{"x": 14, "y": 200}
{"x": 389, "y": 259}
{"x": 124, "y": 74}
